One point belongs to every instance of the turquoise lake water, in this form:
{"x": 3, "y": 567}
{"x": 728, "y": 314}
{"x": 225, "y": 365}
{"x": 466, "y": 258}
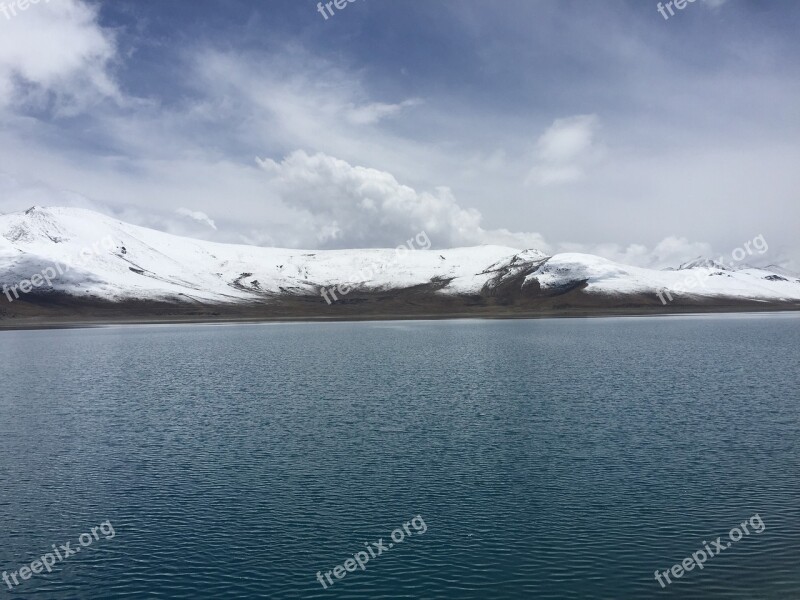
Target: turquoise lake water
{"x": 558, "y": 458}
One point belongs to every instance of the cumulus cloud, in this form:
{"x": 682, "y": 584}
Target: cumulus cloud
{"x": 354, "y": 206}
{"x": 197, "y": 215}
{"x": 56, "y": 53}
{"x": 564, "y": 150}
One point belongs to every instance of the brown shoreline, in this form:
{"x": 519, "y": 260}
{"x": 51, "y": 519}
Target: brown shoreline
{"x": 70, "y": 313}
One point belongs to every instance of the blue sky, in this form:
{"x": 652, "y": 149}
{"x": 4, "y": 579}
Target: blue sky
{"x": 562, "y": 125}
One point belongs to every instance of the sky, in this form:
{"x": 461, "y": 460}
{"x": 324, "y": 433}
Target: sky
{"x": 561, "y": 125}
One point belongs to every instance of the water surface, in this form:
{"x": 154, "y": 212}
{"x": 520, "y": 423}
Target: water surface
{"x": 548, "y": 458}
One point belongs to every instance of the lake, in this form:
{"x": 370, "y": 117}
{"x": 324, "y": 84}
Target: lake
{"x": 552, "y": 458}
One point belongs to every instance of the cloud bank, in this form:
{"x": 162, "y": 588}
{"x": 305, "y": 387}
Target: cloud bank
{"x": 353, "y": 206}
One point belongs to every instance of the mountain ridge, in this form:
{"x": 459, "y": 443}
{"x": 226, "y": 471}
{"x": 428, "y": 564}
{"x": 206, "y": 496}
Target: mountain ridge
{"x": 69, "y": 259}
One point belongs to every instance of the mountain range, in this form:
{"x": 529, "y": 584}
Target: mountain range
{"x": 71, "y": 265}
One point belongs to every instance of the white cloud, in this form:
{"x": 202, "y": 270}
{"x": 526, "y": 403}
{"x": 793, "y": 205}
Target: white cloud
{"x": 369, "y": 114}
{"x": 55, "y": 52}
{"x": 676, "y": 250}
{"x": 197, "y": 216}
{"x": 564, "y": 150}
{"x": 567, "y": 139}
{"x": 353, "y": 206}
{"x": 669, "y": 252}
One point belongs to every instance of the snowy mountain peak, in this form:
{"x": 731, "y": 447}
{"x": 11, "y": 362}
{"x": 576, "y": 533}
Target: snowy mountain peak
{"x": 703, "y": 263}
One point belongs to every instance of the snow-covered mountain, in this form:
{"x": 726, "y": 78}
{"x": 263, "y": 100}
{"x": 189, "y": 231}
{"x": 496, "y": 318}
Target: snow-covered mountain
{"x": 77, "y": 253}
{"x": 703, "y": 263}
{"x": 116, "y": 261}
